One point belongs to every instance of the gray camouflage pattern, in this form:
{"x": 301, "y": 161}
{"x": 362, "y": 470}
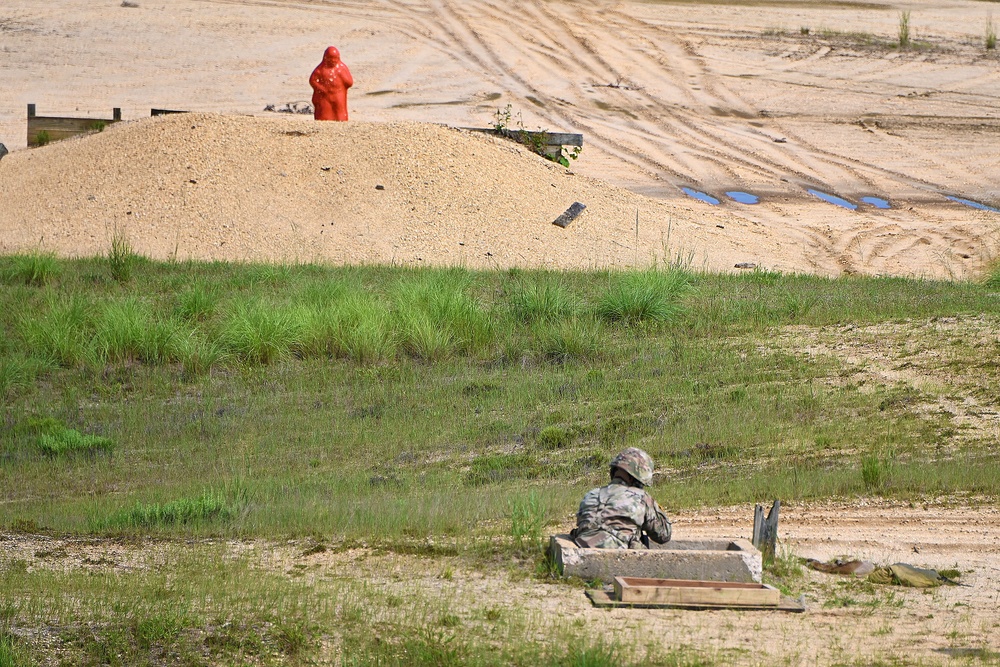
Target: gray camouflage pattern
{"x": 616, "y": 516}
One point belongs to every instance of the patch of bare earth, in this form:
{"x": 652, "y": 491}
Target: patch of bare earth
{"x": 949, "y": 363}
{"x": 846, "y": 621}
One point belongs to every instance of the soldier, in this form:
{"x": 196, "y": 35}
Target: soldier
{"x": 616, "y": 516}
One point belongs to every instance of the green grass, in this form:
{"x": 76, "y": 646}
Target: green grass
{"x": 70, "y": 442}
{"x": 207, "y": 507}
{"x": 367, "y": 402}
{"x": 35, "y": 269}
{"x": 447, "y": 414}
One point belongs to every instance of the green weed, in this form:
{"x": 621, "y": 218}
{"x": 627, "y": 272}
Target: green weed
{"x": 12, "y": 651}
{"x": 43, "y": 138}
{"x": 126, "y": 330}
{"x": 493, "y": 468}
{"x": 197, "y": 303}
{"x": 991, "y": 34}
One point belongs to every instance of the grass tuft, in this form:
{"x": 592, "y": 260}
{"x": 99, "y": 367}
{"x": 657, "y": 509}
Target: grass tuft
{"x": 34, "y": 269}
{"x": 122, "y": 257}
{"x": 126, "y": 330}
{"x": 904, "y": 29}
{"x": 59, "y": 336}
{"x": 70, "y": 442}
{"x": 991, "y": 34}
{"x": 209, "y": 506}
{"x": 578, "y": 338}
{"x": 876, "y": 470}
{"x": 493, "y": 468}
{"x": 257, "y": 333}
{"x": 541, "y": 300}
{"x": 644, "y": 296}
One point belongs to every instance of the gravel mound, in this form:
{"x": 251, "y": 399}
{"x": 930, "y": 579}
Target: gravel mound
{"x": 214, "y": 187}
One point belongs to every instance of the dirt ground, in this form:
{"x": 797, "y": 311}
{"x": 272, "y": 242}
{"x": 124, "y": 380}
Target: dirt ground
{"x": 770, "y": 98}
{"x": 843, "y": 624}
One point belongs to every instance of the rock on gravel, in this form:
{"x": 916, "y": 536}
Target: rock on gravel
{"x": 216, "y": 187}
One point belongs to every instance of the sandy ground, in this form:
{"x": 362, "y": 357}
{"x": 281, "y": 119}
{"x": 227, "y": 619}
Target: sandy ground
{"x": 842, "y": 625}
{"x": 668, "y": 95}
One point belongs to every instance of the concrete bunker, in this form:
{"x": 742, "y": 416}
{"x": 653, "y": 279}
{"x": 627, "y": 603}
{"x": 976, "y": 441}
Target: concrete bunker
{"x": 733, "y": 560}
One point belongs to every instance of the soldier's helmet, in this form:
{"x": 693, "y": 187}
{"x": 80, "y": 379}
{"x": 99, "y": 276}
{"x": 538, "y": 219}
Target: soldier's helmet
{"x": 635, "y": 462}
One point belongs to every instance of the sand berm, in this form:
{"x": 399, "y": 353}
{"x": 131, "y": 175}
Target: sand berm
{"x": 277, "y": 189}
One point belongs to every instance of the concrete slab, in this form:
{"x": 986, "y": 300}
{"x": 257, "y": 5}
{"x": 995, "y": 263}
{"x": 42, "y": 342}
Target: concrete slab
{"x": 708, "y": 560}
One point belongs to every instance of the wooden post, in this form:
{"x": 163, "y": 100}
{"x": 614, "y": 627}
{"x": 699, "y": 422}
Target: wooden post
{"x": 116, "y": 113}
{"x": 765, "y": 531}
{"x": 31, "y": 111}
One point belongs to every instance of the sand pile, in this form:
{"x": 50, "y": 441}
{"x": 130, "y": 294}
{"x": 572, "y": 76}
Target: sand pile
{"x": 207, "y": 186}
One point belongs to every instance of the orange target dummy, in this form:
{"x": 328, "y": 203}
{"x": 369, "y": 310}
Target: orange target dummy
{"x": 330, "y": 81}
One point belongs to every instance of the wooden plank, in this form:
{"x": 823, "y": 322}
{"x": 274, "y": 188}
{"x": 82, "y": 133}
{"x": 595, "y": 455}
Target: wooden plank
{"x": 569, "y": 215}
{"x": 765, "y": 531}
{"x": 63, "y": 127}
{"x": 548, "y": 138}
{"x": 601, "y": 598}
{"x": 666, "y": 591}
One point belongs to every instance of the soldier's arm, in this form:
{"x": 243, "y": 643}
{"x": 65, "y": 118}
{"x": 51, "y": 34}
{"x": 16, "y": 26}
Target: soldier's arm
{"x": 657, "y": 525}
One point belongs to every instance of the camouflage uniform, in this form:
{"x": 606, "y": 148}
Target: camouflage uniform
{"x": 615, "y": 517}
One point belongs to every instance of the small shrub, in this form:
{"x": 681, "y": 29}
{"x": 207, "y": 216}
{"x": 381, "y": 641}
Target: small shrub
{"x": 642, "y": 296}
{"x": 70, "y": 442}
{"x": 43, "y": 138}
{"x": 35, "y": 269}
{"x": 991, "y": 34}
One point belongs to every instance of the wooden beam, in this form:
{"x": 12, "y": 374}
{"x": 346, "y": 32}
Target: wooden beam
{"x": 685, "y": 592}
{"x": 545, "y": 138}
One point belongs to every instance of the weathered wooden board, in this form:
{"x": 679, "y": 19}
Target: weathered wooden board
{"x": 687, "y": 592}
{"x": 545, "y": 138}
{"x": 601, "y": 598}
{"x": 56, "y": 128}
